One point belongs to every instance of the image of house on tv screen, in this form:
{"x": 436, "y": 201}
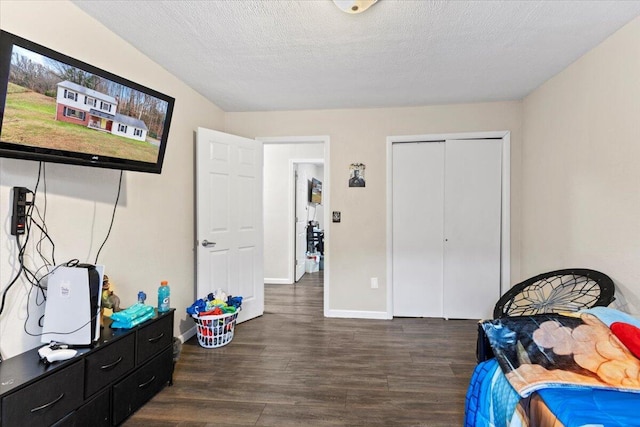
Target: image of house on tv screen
{"x": 96, "y": 110}
{"x": 57, "y": 106}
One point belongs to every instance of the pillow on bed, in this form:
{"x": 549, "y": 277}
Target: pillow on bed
{"x": 629, "y": 335}
{"x": 610, "y": 315}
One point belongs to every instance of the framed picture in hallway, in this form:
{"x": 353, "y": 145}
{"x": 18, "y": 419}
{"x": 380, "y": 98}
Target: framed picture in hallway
{"x": 356, "y": 175}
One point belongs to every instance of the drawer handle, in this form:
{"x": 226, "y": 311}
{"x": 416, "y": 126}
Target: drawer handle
{"x": 46, "y": 405}
{"x": 147, "y": 383}
{"x": 111, "y": 365}
{"x": 156, "y": 339}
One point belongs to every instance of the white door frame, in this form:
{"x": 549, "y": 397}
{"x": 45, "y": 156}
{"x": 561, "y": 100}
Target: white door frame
{"x": 505, "y": 250}
{"x": 326, "y": 200}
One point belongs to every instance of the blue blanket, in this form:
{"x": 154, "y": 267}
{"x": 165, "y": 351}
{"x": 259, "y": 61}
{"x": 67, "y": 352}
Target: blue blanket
{"x": 594, "y": 407}
{"x": 490, "y": 399}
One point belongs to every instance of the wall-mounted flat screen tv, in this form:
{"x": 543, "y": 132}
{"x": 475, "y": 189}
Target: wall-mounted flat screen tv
{"x": 55, "y": 108}
{"x": 315, "y": 193}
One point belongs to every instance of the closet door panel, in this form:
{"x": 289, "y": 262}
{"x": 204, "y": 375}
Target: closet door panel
{"x": 472, "y": 217}
{"x": 418, "y": 195}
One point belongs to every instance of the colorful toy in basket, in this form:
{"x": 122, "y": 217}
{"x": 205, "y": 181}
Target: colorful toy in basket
{"x": 215, "y": 317}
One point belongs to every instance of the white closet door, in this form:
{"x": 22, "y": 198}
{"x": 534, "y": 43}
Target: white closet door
{"x": 472, "y": 228}
{"x": 418, "y": 194}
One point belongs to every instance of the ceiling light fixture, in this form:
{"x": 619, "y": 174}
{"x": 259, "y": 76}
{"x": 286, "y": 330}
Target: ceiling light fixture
{"x": 354, "y": 6}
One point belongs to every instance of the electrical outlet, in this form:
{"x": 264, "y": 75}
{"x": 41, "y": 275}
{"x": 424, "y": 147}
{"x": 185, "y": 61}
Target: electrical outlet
{"x": 19, "y": 214}
{"x": 374, "y": 283}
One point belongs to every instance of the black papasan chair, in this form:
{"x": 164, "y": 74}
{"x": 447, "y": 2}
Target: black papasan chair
{"x": 565, "y": 290}
{"x": 558, "y": 291}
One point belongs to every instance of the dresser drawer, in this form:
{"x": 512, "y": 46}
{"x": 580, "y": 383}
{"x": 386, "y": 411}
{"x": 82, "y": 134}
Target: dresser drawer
{"x": 134, "y": 391}
{"x": 154, "y": 338}
{"x": 96, "y": 412}
{"x": 46, "y": 401}
{"x": 108, "y": 364}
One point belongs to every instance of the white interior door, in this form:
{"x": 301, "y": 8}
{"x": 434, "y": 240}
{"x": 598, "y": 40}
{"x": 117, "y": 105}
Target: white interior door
{"x": 418, "y": 197}
{"x": 301, "y": 224}
{"x": 229, "y": 232}
{"x": 472, "y": 227}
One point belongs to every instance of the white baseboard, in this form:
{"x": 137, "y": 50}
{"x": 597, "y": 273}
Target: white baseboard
{"x": 350, "y": 314}
{"x": 271, "y": 281}
{"x": 187, "y": 334}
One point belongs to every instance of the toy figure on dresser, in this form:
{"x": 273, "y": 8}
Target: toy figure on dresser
{"x": 109, "y": 299}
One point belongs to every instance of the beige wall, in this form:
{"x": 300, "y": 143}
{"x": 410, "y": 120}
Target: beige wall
{"x": 153, "y": 236}
{"x": 357, "y": 250}
{"x": 581, "y": 179}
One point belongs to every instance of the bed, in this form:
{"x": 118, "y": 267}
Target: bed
{"x": 565, "y": 368}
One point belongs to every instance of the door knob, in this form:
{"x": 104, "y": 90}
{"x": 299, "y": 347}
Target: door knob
{"x": 208, "y": 244}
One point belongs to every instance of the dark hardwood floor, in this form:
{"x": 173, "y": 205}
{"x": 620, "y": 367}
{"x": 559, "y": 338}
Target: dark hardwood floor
{"x": 294, "y": 367}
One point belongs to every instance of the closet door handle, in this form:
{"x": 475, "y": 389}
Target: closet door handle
{"x": 111, "y": 365}
{"x": 156, "y": 339}
{"x": 208, "y": 244}
{"x": 46, "y": 405}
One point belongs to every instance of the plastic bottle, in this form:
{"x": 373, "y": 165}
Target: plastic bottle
{"x": 141, "y": 297}
{"x": 163, "y": 296}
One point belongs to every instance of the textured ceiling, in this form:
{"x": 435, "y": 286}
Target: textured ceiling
{"x": 247, "y": 55}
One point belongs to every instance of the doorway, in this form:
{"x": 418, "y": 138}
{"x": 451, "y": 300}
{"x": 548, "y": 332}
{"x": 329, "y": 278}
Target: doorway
{"x": 308, "y": 176}
{"x": 283, "y": 155}
{"x": 448, "y": 224}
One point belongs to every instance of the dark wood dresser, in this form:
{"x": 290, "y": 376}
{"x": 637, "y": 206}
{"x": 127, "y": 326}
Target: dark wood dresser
{"x": 101, "y": 386}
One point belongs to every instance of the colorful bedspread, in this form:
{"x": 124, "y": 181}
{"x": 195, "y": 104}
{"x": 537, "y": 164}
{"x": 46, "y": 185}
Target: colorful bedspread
{"x": 492, "y": 402}
{"x": 557, "y": 407}
{"x": 554, "y": 350}
{"x": 579, "y": 369}
{"x": 490, "y": 399}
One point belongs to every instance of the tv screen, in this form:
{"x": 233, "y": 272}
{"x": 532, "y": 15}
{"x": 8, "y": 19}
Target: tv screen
{"x": 55, "y": 108}
{"x": 316, "y": 191}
